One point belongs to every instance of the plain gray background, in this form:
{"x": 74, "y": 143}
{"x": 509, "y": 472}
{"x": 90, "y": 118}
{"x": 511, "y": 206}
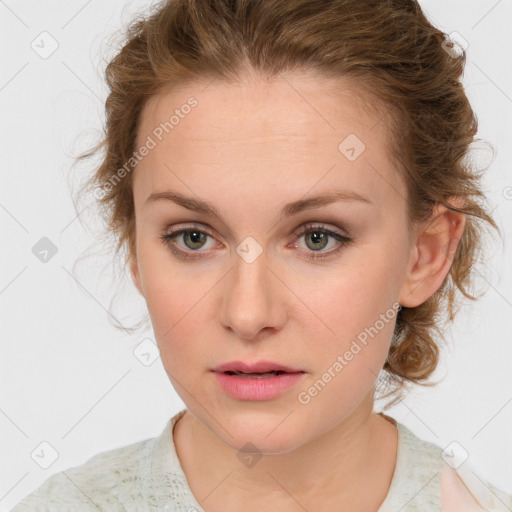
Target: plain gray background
{"x": 70, "y": 379}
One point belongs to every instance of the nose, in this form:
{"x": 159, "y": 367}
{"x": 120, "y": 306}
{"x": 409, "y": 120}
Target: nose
{"x": 254, "y": 300}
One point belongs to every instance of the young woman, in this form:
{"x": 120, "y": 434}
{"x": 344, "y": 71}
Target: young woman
{"x": 288, "y": 180}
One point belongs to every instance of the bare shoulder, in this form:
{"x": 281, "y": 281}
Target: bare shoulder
{"x": 462, "y": 490}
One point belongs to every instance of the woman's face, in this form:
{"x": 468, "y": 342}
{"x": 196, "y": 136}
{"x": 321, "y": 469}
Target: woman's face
{"x": 260, "y": 280}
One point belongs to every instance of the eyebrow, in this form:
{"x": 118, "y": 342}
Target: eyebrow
{"x": 293, "y": 208}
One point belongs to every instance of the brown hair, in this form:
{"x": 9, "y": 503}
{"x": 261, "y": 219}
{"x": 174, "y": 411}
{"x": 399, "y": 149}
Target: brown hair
{"x": 396, "y": 57}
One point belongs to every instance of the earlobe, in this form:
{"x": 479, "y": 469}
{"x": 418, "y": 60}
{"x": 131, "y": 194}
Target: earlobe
{"x": 432, "y": 255}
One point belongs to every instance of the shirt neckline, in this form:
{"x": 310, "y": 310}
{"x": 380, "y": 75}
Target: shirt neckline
{"x": 390, "y": 500}
{"x": 168, "y": 477}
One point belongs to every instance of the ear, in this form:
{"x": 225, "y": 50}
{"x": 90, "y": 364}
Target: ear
{"x": 432, "y": 254}
{"x": 134, "y": 270}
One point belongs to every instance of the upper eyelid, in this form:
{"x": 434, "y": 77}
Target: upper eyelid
{"x": 324, "y": 225}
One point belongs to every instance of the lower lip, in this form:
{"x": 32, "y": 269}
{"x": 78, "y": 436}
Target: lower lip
{"x": 247, "y": 388}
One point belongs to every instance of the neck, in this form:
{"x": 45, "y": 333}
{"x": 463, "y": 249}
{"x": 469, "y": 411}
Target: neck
{"x": 339, "y": 465}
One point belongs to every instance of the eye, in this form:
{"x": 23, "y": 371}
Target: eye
{"x": 196, "y": 236}
{"x": 316, "y": 236}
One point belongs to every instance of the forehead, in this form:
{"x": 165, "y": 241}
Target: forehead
{"x": 295, "y": 131}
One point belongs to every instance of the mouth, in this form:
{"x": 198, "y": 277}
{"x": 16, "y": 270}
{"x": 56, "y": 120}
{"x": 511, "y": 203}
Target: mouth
{"x": 256, "y": 375}
{"x": 259, "y": 369}
{"x": 259, "y": 384}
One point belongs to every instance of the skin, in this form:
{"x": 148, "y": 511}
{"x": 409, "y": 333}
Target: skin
{"x": 249, "y": 148}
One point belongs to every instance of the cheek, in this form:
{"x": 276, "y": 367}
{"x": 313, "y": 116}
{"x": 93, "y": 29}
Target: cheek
{"x": 177, "y": 326}
{"x": 355, "y": 312}
{"x": 353, "y": 295}
{"x": 176, "y": 303}
{"x": 347, "y": 363}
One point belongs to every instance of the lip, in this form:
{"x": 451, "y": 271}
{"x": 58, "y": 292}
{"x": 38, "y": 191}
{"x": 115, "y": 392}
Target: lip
{"x": 257, "y": 389}
{"x": 257, "y": 367}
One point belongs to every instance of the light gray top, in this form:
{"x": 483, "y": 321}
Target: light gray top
{"x": 147, "y": 476}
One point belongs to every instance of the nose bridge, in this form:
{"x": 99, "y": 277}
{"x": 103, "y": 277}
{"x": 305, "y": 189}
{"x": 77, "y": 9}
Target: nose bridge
{"x": 251, "y": 300}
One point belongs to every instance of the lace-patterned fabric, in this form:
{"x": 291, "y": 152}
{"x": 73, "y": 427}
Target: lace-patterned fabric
{"x": 147, "y": 477}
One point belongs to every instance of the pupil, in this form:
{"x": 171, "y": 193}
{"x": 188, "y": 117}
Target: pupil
{"x": 318, "y": 237}
{"x": 195, "y": 237}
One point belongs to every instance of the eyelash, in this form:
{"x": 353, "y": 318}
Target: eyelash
{"x": 168, "y": 240}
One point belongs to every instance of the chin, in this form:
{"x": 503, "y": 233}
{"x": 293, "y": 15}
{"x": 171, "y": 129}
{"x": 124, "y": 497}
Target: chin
{"x": 262, "y": 437}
